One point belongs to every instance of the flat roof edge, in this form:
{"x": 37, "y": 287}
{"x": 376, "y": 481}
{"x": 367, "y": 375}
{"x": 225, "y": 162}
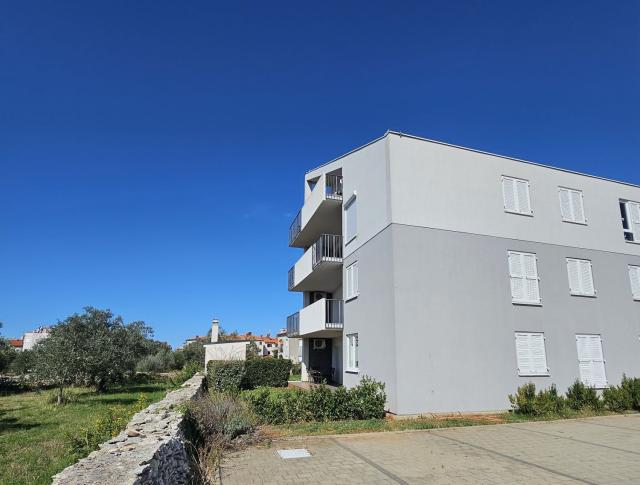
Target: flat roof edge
{"x": 420, "y": 138}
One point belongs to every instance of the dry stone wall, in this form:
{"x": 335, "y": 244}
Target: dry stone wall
{"x": 151, "y": 450}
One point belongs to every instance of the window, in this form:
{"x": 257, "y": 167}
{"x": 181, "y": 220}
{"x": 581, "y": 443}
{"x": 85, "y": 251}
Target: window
{"x": 352, "y": 353}
{"x": 515, "y": 193}
{"x": 634, "y": 276}
{"x": 572, "y": 206}
{"x": 591, "y": 361}
{"x": 531, "y": 355}
{"x": 630, "y": 213}
{"x": 351, "y": 280}
{"x": 523, "y": 270}
{"x": 350, "y": 220}
{"x": 580, "y": 277}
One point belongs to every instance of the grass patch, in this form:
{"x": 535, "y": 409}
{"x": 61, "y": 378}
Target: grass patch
{"x": 420, "y": 423}
{"x": 295, "y": 377}
{"x": 33, "y": 446}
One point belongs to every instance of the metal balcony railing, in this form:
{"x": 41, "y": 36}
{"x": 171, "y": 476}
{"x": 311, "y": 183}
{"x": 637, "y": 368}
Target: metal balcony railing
{"x": 292, "y": 276}
{"x": 295, "y": 227}
{"x": 327, "y": 248}
{"x": 293, "y": 325}
{"x": 334, "y": 314}
{"x": 333, "y": 187}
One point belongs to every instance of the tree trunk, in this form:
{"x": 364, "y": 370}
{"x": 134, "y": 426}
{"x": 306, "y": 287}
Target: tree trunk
{"x": 60, "y": 389}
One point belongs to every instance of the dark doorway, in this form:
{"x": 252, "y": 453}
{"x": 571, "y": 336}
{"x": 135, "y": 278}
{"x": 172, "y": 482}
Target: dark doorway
{"x": 320, "y": 359}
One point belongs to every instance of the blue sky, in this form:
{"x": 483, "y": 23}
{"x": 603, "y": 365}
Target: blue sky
{"x": 152, "y": 153}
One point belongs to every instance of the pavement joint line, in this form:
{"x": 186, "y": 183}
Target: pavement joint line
{"x": 517, "y": 460}
{"x": 392, "y": 476}
{"x": 577, "y": 440}
{"x": 611, "y": 426}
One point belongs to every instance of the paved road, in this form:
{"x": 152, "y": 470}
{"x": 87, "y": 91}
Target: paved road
{"x": 589, "y": 451}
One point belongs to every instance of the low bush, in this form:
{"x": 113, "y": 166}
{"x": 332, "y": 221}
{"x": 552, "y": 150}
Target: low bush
{"x": 266, "y": 372}
{"x": 545, "y": 402}
{"x": 273, "y": 406}
{"x": 296, "y": 368}
{"x": 215, "y": 422}
{"x": 581, "y": 397}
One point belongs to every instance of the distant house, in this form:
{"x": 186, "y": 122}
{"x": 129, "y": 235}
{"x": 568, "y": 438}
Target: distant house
{"x": 30, "y": 339}
{"x": 235, "y": 348}
{"x": 289, "y": 347}
{"x": 191, "y": 340}
{"x": 16, "y": 343}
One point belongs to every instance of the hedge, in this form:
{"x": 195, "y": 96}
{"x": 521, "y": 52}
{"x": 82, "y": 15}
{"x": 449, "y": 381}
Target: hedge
{"x": 225, "y": 375}
{"x": 578, "y": 398}
{"x": 266, "y": 372}
{"x": 233, "y": 375}
{"x": 275, "y": 406}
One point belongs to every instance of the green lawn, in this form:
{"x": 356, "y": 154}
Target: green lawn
{"x": 32, "y": 432}
{"x": 295, "y": 377}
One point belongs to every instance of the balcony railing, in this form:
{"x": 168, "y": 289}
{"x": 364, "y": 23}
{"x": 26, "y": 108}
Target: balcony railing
{"x": 292, "y": 277}
{"x": 333, "y": 187}
{"x": 293, "y": 325}
{"x": 295, "y": 227}
{"x": 334, "y": 314}
{"x": 327, "y": 248}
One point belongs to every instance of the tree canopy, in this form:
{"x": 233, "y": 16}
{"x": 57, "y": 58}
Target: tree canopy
{"x": 93, "y": 348}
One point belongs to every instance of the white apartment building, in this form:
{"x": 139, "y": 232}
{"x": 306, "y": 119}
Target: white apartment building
{"x": 455, "y": 276}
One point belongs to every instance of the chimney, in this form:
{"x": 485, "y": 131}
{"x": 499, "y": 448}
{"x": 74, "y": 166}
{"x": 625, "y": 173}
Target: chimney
{"x": 215, "y": 328}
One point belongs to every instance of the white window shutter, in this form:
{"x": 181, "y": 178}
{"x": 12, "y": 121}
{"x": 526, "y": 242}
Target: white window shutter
{"x": 634, "y": 276}
{"x": 523, "y": 354}
{"x": 573, "y": 268}
{"x": 531, "y": 355}
{"x": 591, "y": 360}
{"x": 531, "y": 278}
{"x": 565, "y": 205}
{"x": 509, "y": 194}
{"x": 538, "y": 354}
{"x": 580, "y": 277}
{"x": 586, "y": 278}
{"x": 522, "y": 190}
{"x": 516, "y": 271}
{"x": 633, "y": 208}
{"x": 577, "y": 206}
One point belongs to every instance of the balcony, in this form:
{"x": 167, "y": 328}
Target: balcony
{"x": 322, "y": 319}
{"x": 321, "y": 212}
{"x": 320, "y": 267}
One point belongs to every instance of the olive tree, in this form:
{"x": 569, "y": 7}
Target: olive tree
{"x": 93, "y": 348}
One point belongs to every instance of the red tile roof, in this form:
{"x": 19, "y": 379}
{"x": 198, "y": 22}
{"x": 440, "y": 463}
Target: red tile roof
{"x": 15, "y": 342}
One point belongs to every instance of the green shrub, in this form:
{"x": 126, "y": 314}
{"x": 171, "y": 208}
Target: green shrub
{"x": 320, "y": 403}
{"x": 266, "y": 372}
{"x": 220, "y": 414}
{"x": 296, "y": 368}
{"x": 631, "y": 385}
{"x": 581, "y": 397}
{"x": 368, "y": 399}
{"x": 225, "y": 375}
{"x": 617, "y": 399}
{"x": 523, "y": 401}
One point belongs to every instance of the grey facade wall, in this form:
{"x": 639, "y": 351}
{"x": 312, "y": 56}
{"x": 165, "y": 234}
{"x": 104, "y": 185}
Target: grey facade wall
{"x": 372, "y": 315}
{"x": 455, "y": 322}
